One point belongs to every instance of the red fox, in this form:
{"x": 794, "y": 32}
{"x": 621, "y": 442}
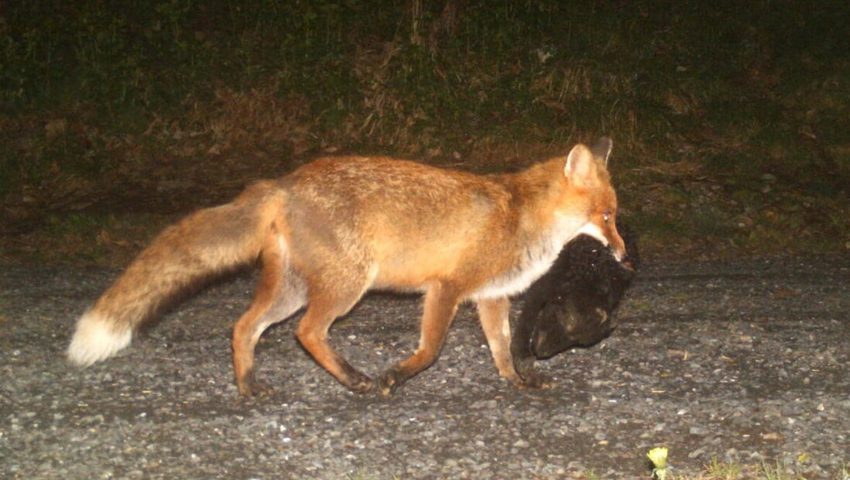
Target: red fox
{"x": 334, "y": 228}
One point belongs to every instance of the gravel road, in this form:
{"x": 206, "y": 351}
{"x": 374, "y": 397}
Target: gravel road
{"x": 745, "y": 361}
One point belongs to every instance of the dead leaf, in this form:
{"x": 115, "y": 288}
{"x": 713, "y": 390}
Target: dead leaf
{"x": 682, "y": 354}
{"x": 782, "y": 292}
{"x": 55, "y": 128}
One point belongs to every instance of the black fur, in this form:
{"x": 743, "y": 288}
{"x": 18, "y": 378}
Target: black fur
{"x": 573, "y": 304}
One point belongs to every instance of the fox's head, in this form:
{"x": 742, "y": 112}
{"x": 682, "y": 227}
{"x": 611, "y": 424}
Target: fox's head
{"x": 590, "y": 196}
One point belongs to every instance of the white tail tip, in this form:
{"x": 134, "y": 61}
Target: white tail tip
{"x": 95, "y": 339}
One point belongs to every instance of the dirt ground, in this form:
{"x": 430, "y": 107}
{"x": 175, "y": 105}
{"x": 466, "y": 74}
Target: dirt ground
{"x": 743, "y": 361}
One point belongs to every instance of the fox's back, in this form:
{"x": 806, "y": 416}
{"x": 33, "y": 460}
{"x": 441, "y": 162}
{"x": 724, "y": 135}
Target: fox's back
{"x": 413, "y": 221}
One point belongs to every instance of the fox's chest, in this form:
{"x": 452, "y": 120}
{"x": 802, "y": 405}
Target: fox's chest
{"x": 515, "y": 281}
{"x": 532, "y": 262}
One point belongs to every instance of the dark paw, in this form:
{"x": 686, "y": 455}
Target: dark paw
{"x": 533, "y": 380}
{"x": 389, "y": 382}
{"x": 355, "y": 380}
{"x": 360, "y": 384}
{"x": 250, "y": 387}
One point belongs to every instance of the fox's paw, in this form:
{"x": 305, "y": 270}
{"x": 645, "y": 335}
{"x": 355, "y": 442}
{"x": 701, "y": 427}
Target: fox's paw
{"x": 531, "y": 379}
{"x": 362, "y": 385}
{"x": 251, "y": 387}
{"x": 390, "y": 381}
{"x": 355, "y": 380}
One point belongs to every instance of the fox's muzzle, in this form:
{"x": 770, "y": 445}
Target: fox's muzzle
{"x": 609, "y": 237}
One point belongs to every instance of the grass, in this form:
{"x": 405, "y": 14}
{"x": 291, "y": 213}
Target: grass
{"x": 799, "y": 469}
{"x": 717, "y": 470}
{"x": 84, "y": 238}
{"x": 723, "y": 471}
{"x": 727, "y": 119}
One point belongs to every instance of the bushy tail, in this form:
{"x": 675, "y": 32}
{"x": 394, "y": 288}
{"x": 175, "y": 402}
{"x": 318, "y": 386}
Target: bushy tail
{"x": 207, "y": 242}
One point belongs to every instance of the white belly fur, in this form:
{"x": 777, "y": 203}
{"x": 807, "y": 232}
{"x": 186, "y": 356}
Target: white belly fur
{"x": 533, "y": 263}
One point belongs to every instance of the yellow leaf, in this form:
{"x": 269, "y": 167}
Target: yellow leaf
{"x": 658, "y": 457}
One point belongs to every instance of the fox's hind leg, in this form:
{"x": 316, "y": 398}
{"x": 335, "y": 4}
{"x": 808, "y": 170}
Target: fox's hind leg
{"x": 327, "y": 303}
{"x": 280, "y": 293}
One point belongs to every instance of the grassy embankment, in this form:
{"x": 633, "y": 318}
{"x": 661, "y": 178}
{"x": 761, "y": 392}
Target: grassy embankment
{"x": 729, "y": 121}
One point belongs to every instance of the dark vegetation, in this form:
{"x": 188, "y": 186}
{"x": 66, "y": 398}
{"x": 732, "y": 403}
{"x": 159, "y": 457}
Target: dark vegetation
{"x": 729, "y": 119}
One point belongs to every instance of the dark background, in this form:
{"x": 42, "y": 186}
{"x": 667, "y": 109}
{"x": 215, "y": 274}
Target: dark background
{"x": 729, "y": 119}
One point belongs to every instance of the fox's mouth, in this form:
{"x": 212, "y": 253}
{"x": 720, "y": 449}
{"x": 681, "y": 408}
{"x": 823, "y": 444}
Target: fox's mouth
{"x": 593, "y": 231}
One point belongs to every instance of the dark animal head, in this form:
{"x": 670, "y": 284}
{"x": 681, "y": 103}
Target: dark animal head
{"x": 586, "y": 284}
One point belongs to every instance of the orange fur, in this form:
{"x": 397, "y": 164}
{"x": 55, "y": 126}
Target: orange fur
{"x": 337, "y": 227}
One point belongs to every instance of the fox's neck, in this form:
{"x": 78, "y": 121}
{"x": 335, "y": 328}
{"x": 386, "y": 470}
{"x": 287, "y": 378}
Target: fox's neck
{"x": 535, "y": 194}
{"x": 542, "y": 229}
{"x": 541, "y": 232}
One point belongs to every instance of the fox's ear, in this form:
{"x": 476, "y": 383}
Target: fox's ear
{"x": 602, "y": 149}
{"x": 580, "y": 168}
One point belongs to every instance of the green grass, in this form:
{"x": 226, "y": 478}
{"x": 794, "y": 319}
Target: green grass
{"x": 105, "y": 103}
{"x": 714, "y": 470}
{"x": 778, "y": 471}
{"x": 723, "y": 471}
{"x": 717, "y": 470}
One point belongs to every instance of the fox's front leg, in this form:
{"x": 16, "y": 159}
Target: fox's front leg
{"x": 494, "y": 315}
{"x": 441, "y": 303}
{"x": 513, "y": 359}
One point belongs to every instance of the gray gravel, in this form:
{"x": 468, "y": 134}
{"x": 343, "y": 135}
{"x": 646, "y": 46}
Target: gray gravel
{"x": 743, "y": 361}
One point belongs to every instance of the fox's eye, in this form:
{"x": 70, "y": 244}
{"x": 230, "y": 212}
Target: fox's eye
{"x": 606, "y": 216}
